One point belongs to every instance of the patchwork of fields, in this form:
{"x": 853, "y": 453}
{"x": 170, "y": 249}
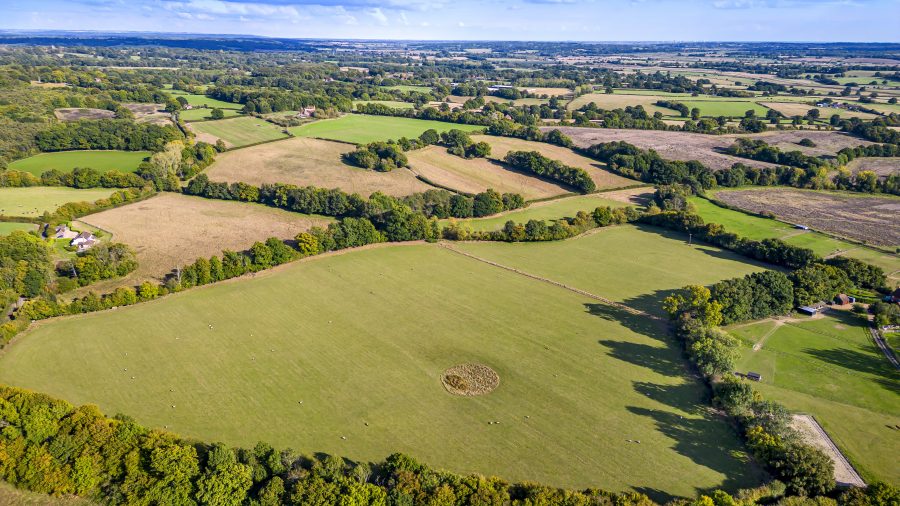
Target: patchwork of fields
{"x": 362, "y": 129}
{"x": 309, "y": 162}
{"x": 35, "y": 200}
{"x": 830, "y": 368}
{"x": 365, "y": 383}
{"x": 66, "y": 161}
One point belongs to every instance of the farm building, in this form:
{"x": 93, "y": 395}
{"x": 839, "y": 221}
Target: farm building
{"x": 755, "y": 376}
{"x": 812, "y": 309}
{"x": 306, "y": 112}
{"x": 843, "y": 299}
{"x": 83, "y": 241}
{"x": 895, "y": 296}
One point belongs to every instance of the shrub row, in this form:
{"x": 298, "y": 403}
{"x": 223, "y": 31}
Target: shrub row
{"x": 536, "y": 163}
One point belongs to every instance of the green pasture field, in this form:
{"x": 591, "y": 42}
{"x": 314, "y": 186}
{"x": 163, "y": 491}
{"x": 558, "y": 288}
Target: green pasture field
{"x": 758, "y": 228}
{"x": 198, "y": 100}
{"x": 409, "y": 87}
{"x": 394, "y": 104}
{"x": 7, "y": 227}
{"x": 33, "y": 201}
{"x": 241, "y": 131}
{"x": 363, "y": 128}
{"x": 830, "y": 368}
{"x": 200, "y": 114}
{"x": 636, "y": 265}
{"x": 65, "y": 161}
{"x": 731, "y": 108}
{"x": 315, "y": 356}
{"x": 548, "y": 211}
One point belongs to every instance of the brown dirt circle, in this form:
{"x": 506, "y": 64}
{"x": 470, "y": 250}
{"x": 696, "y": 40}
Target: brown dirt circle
{"x": 470, "y": 380}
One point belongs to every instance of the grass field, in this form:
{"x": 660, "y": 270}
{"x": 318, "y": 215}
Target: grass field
{"x": 800, "y": 109}
{"x": 198, "y": 100}
{"x": 478, "y": 174}
{"x": 35, "y": 200}
{"x": 603, "y": 178}
{"x": 758, "y": 228}
{"x": 11, "y": 496}
{"x": 716, "y": 108}
{"x": 559, "y": 208}
{"x": 304, "y": 161}
{"x": 237, "y": 132}
{"x": 628, "y": 264}
{"x": 7, "y": 227}
{"x": 199, "y": 114}
{"x": 620, "y": 101}
{"x": 362, "y": 129}
{"x": 65, "y": 161}
{"x": 830, "y": 368}
{"x": 394, "y": 104}
{"x": 408, "y": 87}
{"x": 171, "y": 229}
{"x": 371, "y": 375}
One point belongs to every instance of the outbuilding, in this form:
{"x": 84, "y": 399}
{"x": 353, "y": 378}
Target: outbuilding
{"x": 755, "y": 376}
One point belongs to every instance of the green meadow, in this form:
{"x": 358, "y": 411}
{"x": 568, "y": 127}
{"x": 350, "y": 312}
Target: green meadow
{"x": 362, "y": 128}
{"x": 241, "y": 131}
{"x": 35, "y": 200}
{"x": 268, "y": 358}
{"x": 66, "y": 161}
{"x": 830, "y": 368}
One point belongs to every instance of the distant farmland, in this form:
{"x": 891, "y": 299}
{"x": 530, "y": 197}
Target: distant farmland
{"x": 362, "y": 129}
{"x": 65, "y": 161}
{"x": 309, "y": 162}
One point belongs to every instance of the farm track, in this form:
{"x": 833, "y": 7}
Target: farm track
{"x": 879, "y": 341}
{"x": 579, "y": 291}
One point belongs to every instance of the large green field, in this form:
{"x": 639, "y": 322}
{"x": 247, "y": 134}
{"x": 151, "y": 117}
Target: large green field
{"x": 270, "y": 358}
{"x": 66, "y": 161}
{"x": 548, "y": 211}
{"x": 241, "y": 131}
{"x": 394, "y": 104}
{"x": 198, "y": 100}
{"x": 7, "y": 227}
{"x": 35, "y": 200}
{"x": 830, "y": 368}
{"x": 734, "y": 108}
{"x": 200, "y": 114}
{"x": 409, "y": 87}
{"x": 758, "y": 228}
{"x": 362, "y": 128}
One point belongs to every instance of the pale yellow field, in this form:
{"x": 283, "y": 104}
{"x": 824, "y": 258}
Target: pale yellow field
{"x": 604, "y": 179}
{"x": 477, "y": 175}
{"x": 306, "y": 161}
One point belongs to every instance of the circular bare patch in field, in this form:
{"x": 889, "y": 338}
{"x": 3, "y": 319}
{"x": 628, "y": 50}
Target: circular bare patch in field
{"x": 470, "y": 379}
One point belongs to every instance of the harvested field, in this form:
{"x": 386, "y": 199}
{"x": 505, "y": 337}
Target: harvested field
{"x": 150, "y": 113}
{"x": 38, "y": 84}
{"x": 558, "y": 92}
{"x": 869, "y": 219}
{"x": 309, "y": 162}
{"x": 172, "y": 229}
{"x": 706, "y": 148}
{"x": 470, "y": 380}
{"x": 884, "y": 167}
{"x": 671, "y": 145}
{"x": 237, "y": 132}
{"x": 77, "y": 113}
{"x": 603, "y": 178}
{"x": 795, "y": 109}
{"x": 477, "y": 175}
{"x": 620, "y": 101}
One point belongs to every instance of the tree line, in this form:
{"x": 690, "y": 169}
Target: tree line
{"x": 538, "y": 164}
{"x": 106, "y": 134}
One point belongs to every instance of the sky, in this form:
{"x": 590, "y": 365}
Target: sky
{"x": 560, "y": 20}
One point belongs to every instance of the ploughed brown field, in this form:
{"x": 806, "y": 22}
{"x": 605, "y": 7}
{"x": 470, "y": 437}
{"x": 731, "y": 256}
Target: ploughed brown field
{"x": 304, "y": 161}
{"x": 603, "y": 178}
{"x": 707, "y": 149}
{"x": 171, "y": 230}
{"x": 869, "y": 219}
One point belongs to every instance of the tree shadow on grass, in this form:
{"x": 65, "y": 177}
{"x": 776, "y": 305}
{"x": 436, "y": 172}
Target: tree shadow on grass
{"x": 707, "y": 443}
{"x": 860, "y": 362}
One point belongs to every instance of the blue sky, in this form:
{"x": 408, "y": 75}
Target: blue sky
{"x": 592, "y": 20}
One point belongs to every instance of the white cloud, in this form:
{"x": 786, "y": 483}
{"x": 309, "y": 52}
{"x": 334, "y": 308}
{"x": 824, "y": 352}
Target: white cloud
{"x": 379, "y": 16}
